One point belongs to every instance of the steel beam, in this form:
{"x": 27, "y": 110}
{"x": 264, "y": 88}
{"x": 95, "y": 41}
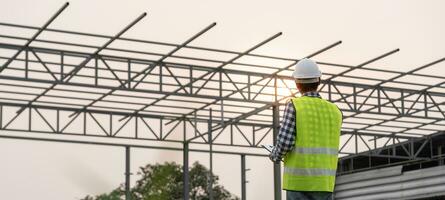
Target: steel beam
{"x": 127, "y": 173}
{"x": 111, "y": 40}
{"x": 210, "y": 139}
{"x": 40, "y": 30}
{"x": 273, "y": 74}
{"x": 202, "y": 59}
{"x": 276, "y": 166}
{"x": 364, "y": 63}
{"x": 233, "y": 121}
{"x": 398, "y": 116}
{"x": 77, "y": 68}
{"x": 244, "y": 116}
{"x": 203, "y": 68}
{"x": 135, "y": 135}
{"x": 231, "y": 61}
{"x": 403, "y": 74}
{"x": 185, "y": 171}
{"x": 243, "y": 177}
{"x": 171, "y": 53}
{"x": 162, "y": 43}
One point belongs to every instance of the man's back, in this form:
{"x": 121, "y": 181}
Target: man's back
{"x": 312, "y": 163}
{"x": 296, "y": 135}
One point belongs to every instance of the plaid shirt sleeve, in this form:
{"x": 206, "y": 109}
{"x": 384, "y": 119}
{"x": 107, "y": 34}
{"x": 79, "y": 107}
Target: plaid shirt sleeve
{"x": 286, "y": 135}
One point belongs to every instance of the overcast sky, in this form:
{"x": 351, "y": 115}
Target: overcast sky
{"x": 40, "y": 170}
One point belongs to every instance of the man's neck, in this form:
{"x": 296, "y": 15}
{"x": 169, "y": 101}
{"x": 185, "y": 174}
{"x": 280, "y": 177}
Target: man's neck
{"x": 307, "y": 91}
{"x": 311, "y": 94}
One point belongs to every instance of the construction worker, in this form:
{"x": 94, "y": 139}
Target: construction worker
{"x": 308, "y": 139}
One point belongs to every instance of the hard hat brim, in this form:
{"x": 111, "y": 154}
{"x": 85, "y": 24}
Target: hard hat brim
{"x": 307, "y": 80}
{"x": 298, "y": 76}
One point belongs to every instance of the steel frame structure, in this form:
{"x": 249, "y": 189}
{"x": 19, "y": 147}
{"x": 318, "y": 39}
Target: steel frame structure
{"x": 109, "y": 91}
{"x": 423, "y": 152}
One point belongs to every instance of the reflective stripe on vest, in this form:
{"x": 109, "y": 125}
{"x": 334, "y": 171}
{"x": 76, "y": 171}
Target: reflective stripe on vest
{"x": 309, "y": 171}
{"x": 316, "y": 150}
{"x": 312, "y": 164}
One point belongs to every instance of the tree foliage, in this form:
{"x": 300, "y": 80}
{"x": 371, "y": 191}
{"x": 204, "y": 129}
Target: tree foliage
{"x": 165, "y": 182}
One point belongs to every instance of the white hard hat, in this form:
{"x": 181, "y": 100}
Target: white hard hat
{"x": 306, "y": 71}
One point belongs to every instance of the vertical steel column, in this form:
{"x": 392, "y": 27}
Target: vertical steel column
{"x": 160, "y": 77}
{"x": 185, "y": 162}
{"x": 30, "y": 119}
{"x": 127, "y": 173}
{"x": 136, "y": 127}
{"x": 57, "y": 121}
{"x": 243, "y": 177}
{"x": 356, "y": 142}
{"x": 1, "y": 116}
{"x": 195, "y": 127}
{"x": 191, "y": 80}
{"x": 96, "y": 72}
{"x": 276, "y": 167}
{"x": 329, "y": 90}
{"x": 402, "y": 101}
{"x": 248, "y": 87}
{"x": 185, "y": 168}
{"x": 26, "y": 63}
{"x": 354, "y": 95}
{"x": 425, "y": 104}
{"x": 210, "y": 139}
{"x": 220, "y": 95}
{"x": 129, "y": 73}
{"x": 379, "y": 103}
{"x": 351, "y": 164}
{"x": 111, "y": 125}
{"x": 85, "y": 122}
{"x": 62, "y": 63}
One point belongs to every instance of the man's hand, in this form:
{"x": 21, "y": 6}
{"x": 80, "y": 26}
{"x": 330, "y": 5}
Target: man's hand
{"x": 273, "y": 157}
{"x": 268, "y": 147}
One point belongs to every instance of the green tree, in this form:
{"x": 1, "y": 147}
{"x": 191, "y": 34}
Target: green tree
{"x": 116, "y": 194}
{"x": 164, "y": 182}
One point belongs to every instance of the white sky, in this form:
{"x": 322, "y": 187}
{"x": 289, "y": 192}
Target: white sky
{"x": 39, "y": 170}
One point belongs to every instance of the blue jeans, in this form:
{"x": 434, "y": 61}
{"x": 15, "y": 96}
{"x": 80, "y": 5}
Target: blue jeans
{"x": 297, "y": 195}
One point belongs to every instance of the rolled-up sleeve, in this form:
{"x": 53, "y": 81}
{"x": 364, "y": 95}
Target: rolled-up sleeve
{"x": 286, "y": 135}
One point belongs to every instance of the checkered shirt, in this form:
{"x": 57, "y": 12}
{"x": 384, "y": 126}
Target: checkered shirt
{"x": 286, "y": 135}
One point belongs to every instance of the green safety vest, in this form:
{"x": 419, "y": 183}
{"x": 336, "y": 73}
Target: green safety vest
{"x": 312, "y": 163}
